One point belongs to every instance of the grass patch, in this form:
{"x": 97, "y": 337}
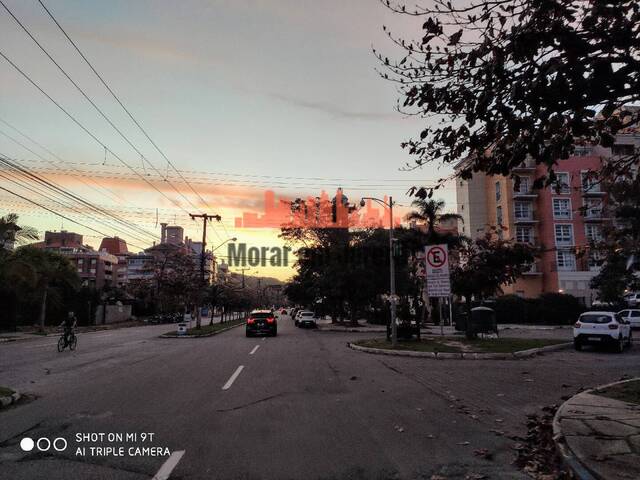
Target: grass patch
{"x": 626, "y": 392}
{"x": 457, "y": 345}
{"x": 424, "y": 345}
{"x": 206, "y": 329}
{"x": 6, "y": 392}
{"x": 509, "y": 345}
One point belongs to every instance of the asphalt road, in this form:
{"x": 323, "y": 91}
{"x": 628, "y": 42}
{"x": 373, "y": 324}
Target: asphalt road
{"x": 302, "y": 406}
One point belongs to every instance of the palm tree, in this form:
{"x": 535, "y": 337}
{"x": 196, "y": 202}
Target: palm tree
{"x": 428, "y": 213}
{"x": 11, "y": 232}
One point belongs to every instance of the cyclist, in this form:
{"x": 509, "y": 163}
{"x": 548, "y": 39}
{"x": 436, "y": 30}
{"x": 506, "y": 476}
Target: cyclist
{"x": 69, "y": 324}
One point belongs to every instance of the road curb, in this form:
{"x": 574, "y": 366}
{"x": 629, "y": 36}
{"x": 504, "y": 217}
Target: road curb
{"x": 206, "y": 334}
{"x": 461, "y": 355}
{"x": 9, "y": 400}
{"x": 570, "y": 459}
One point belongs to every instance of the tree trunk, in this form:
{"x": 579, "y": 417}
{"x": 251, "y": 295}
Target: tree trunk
{"x": 43, "y": 307}
{"x": 470, "y": 334}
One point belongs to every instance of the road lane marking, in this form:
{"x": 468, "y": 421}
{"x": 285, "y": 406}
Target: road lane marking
{"x": 233, "y": 377}
{"x": 264, "y": 338}
{"x": 168, "y": 466}
{"x": 254, "y": 349}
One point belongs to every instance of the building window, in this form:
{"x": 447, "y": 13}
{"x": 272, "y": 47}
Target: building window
{"x": 595, "y": 260}
{"x": 593, "y": 232}
{"x": 566, "y": 260}
{"x": 562, "y": 208}
{"x": 524, "y": 185}
{"x": 499, "y": 215}
{"x": 582, "y": 151}
{"x": 563, "y": 183}
{"x": 623, "y": 149}
{"x": 524, "y": 234}
{"x": 80, "y": 261}
{"x": 592, "y": 207}
{"x": 590, "y": 182}
{"x": 498, "y": 191}
{"x": 522, "y": 210}
{"x": 564, "y": 235}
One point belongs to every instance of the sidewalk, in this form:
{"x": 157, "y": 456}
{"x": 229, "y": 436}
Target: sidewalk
{"x": 599, "y": 437}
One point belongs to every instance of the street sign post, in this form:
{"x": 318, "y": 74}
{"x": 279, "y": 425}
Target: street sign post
{"x": 437, "y": 275}
{"x": 437, "y": 270}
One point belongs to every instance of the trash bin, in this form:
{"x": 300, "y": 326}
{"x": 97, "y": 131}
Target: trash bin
{"x": 182, "y": 329}
{"x": 483, "y": 320}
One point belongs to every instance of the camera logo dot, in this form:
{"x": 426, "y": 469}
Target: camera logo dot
{"x": 43, "y": 444}
{"x": 27, "y": 444}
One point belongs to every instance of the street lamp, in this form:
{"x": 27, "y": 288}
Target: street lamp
{"x": 392, "y": 273}
{"x": 232, "y": 239}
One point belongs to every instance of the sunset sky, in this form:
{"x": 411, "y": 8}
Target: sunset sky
{"x": 242, "y": 96}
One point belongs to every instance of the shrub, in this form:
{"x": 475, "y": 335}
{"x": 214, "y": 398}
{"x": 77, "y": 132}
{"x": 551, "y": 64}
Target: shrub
{"x": 511, "y": 309}
{"x": 548, "y": 308}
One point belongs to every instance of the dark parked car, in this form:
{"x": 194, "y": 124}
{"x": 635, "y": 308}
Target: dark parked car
{"x": 262, "y": 322}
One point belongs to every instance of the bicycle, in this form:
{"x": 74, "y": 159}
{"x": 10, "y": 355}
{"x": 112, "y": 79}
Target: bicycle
{"x": 71, "y": 343}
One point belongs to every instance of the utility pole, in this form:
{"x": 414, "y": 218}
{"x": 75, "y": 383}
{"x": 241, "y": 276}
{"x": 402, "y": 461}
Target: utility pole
{"x": 243, "y": 270}
{"x": 205, "y": 217}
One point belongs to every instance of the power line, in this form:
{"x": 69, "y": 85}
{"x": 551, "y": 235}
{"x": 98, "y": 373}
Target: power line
{"x": 93, "y": 104}
{"x": 56, "y": 189}
{"x": 49, "y": 161}
{"x": 96, "y": 139}
{"x": 75, "y": 46}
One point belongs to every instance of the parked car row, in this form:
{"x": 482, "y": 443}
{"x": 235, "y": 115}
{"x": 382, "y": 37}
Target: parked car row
{"x": 165, "y": 318}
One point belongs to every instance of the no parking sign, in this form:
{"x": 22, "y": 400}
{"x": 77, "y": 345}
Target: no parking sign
{"x": 437, "y": 270}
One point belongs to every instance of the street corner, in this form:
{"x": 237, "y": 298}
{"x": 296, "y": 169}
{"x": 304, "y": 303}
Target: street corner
{"x": 597, "y": 432}
{"x": 453, "y": 348}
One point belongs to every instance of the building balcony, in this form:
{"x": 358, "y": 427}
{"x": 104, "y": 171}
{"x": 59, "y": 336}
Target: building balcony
{"x": 524, "y": 219}
{"x": 593, "y": 191}
{"x": 524, "y": 195}
{"x": 594, "y": 217}
{"x": 529, "y": 165}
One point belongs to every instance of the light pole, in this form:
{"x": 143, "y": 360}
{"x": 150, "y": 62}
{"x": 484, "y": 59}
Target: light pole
{"x": 392, "y": 269}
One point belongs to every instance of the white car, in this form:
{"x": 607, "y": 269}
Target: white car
{"x": 306, "y": 318}
{"x": 601, "y": 328}
{"x": 632, "y": 316}
{"x": 632, "y": 299}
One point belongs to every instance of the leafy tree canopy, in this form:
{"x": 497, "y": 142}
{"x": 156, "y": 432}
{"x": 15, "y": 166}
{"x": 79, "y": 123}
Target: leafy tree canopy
{"x": 500, "y": 80}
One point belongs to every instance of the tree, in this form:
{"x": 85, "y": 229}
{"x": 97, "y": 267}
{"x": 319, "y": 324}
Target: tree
{"x": 43, "y": 272}
{"x": 498, "y": 81}
{"x": 428, "y": 212}
{"x": 619, "y": 251}
{"x": 483, "y": 266}
{"x": 11, "y": 232}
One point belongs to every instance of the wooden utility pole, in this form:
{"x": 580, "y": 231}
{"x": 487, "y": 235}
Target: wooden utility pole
{"x": 205, "y": 217}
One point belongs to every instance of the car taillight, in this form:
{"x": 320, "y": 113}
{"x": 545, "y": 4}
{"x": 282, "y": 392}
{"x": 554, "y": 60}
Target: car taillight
{"x": 577, "y": 324}
{"x": 251, "y": 321}
{"x": 613, "y": 326}
{"x": 271, "y": 320}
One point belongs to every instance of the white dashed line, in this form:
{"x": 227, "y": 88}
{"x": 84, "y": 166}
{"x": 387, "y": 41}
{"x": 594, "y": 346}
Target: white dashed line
{"x": 254, "y": 349}
{"x": 168, "y": 466}
{"x": 264, "y": 338}
{"x": 233, "y": 377}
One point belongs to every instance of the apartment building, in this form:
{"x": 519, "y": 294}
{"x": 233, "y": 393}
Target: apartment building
{"x": 562, "y": 219}
{"x": 95, "y": 268}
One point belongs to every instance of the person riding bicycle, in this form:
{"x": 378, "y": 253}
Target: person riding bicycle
{"x": 69, "y": 324}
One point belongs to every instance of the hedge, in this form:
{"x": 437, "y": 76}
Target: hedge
{"x": 547, "y": 309}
